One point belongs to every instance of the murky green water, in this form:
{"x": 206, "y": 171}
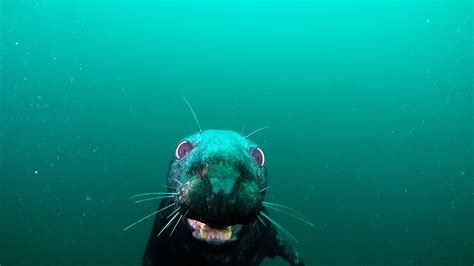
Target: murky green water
{"x": 369, "y": 103}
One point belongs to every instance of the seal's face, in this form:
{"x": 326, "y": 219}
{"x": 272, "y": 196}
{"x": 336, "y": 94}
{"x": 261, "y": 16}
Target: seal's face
{"x": 218, "y": 176}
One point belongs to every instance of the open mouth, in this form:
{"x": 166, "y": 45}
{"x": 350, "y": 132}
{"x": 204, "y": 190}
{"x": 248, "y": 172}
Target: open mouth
{"x": 214, "y": 235}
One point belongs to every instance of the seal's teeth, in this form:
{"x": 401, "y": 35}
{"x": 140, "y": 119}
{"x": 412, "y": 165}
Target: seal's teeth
{"x": 227, "y": 235}
{"x": 203, "y": 233}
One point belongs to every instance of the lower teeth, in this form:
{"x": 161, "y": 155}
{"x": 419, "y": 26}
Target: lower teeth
{"x": 203, "y": 231}
{"x": 216, "y": 234}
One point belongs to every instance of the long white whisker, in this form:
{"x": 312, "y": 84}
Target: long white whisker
{"x": 168, "y": 224}
{"x": 280, "y": 227}
{"x": 261, "y": 220}
{"x": 192, "y": 111}
{"x": 166, "y": 186}
{"x": 265, "y": 188}
{"x": 292, "y": 215}
{"x": 253, "y": 227}
{"x": 258, "y": 229}
{"x": 152, "y": 193}
{"x": 266, "y": 203}
{"x": 180, "y": 217}
{"x": 154, "y": 198}
{"x": 148, "y": 216}
{"x": 255, "y": 131}
{"x": 173, "y": 212}
{"x": 178, "y": 181}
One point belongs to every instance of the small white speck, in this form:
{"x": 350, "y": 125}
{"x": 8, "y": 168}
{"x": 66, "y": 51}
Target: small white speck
{"x": 17, "y": 43}
{"x": 428, "y": 71}
{"x": 71, "y": 79}
{"x": 36, "y": 172}
{"x": 88, "y": 198}
{"x": 462, "y": 173}
{"x": 84, "y": 214}
{"x": 428, "y": 20}
{"x": 406, "y": 190}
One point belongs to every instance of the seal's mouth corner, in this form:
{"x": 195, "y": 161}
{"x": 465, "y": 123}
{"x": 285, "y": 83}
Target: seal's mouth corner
{"x": 216, "y": 236}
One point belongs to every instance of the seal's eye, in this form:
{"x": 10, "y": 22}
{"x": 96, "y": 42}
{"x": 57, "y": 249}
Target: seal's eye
{"x": 184, "y": 147}
{"x": 258, "y": 156}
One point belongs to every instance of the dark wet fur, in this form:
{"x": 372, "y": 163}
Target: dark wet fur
{"x": 256, "y": 243}
{"x": 218, "y": 182}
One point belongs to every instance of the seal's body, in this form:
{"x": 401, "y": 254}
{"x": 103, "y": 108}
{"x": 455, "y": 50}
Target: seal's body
{"x": 215, "y": 215}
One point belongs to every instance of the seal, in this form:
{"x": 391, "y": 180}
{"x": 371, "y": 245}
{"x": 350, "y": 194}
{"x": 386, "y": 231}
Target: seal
{"x": 214, "y": 212}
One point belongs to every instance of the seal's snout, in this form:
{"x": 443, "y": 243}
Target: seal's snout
{"x": 222, "y": 179}
{"x": 219, "y": 193}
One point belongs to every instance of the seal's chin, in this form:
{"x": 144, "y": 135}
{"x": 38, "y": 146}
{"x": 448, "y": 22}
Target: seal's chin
{"x": 215, "y": 236}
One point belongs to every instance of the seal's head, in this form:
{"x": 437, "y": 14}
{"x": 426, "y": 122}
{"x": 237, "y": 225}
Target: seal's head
{"x": 219, "y": 177}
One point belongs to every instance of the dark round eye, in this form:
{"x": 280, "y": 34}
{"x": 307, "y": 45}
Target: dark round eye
{"x": 258, "y": 156}
{"x": 184, "y": 147}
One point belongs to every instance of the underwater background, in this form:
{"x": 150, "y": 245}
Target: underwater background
{"x": 369, "y": 104}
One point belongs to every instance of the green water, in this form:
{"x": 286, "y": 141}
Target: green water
{"x": 369, "y": 103}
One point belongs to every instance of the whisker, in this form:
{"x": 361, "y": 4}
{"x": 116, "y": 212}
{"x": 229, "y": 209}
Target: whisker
{"x": 255, "y": 131}
{"x": 152, "y": 193}
{"x": 177, "y": 222}
{"x": 180, "y": 217}
{"x": 280, "y": 227}
{"x": 192, "y": 111}
{"x": 292, "y": 215}
{"x": 265, "y": 188}
{"x": 178, "y": 181}
{"x": 261, "y": 220}
{"x": 154, "y": 198}
{"x": 168, "y": 224}
{"x": 253, "y": 228}
{"x": 148, "y": 216}
{"x": 166, "y": 186}
{"x": 173, "y": 212}
{"x": 266, "y": 203}
{"x": 258, "y": 229}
